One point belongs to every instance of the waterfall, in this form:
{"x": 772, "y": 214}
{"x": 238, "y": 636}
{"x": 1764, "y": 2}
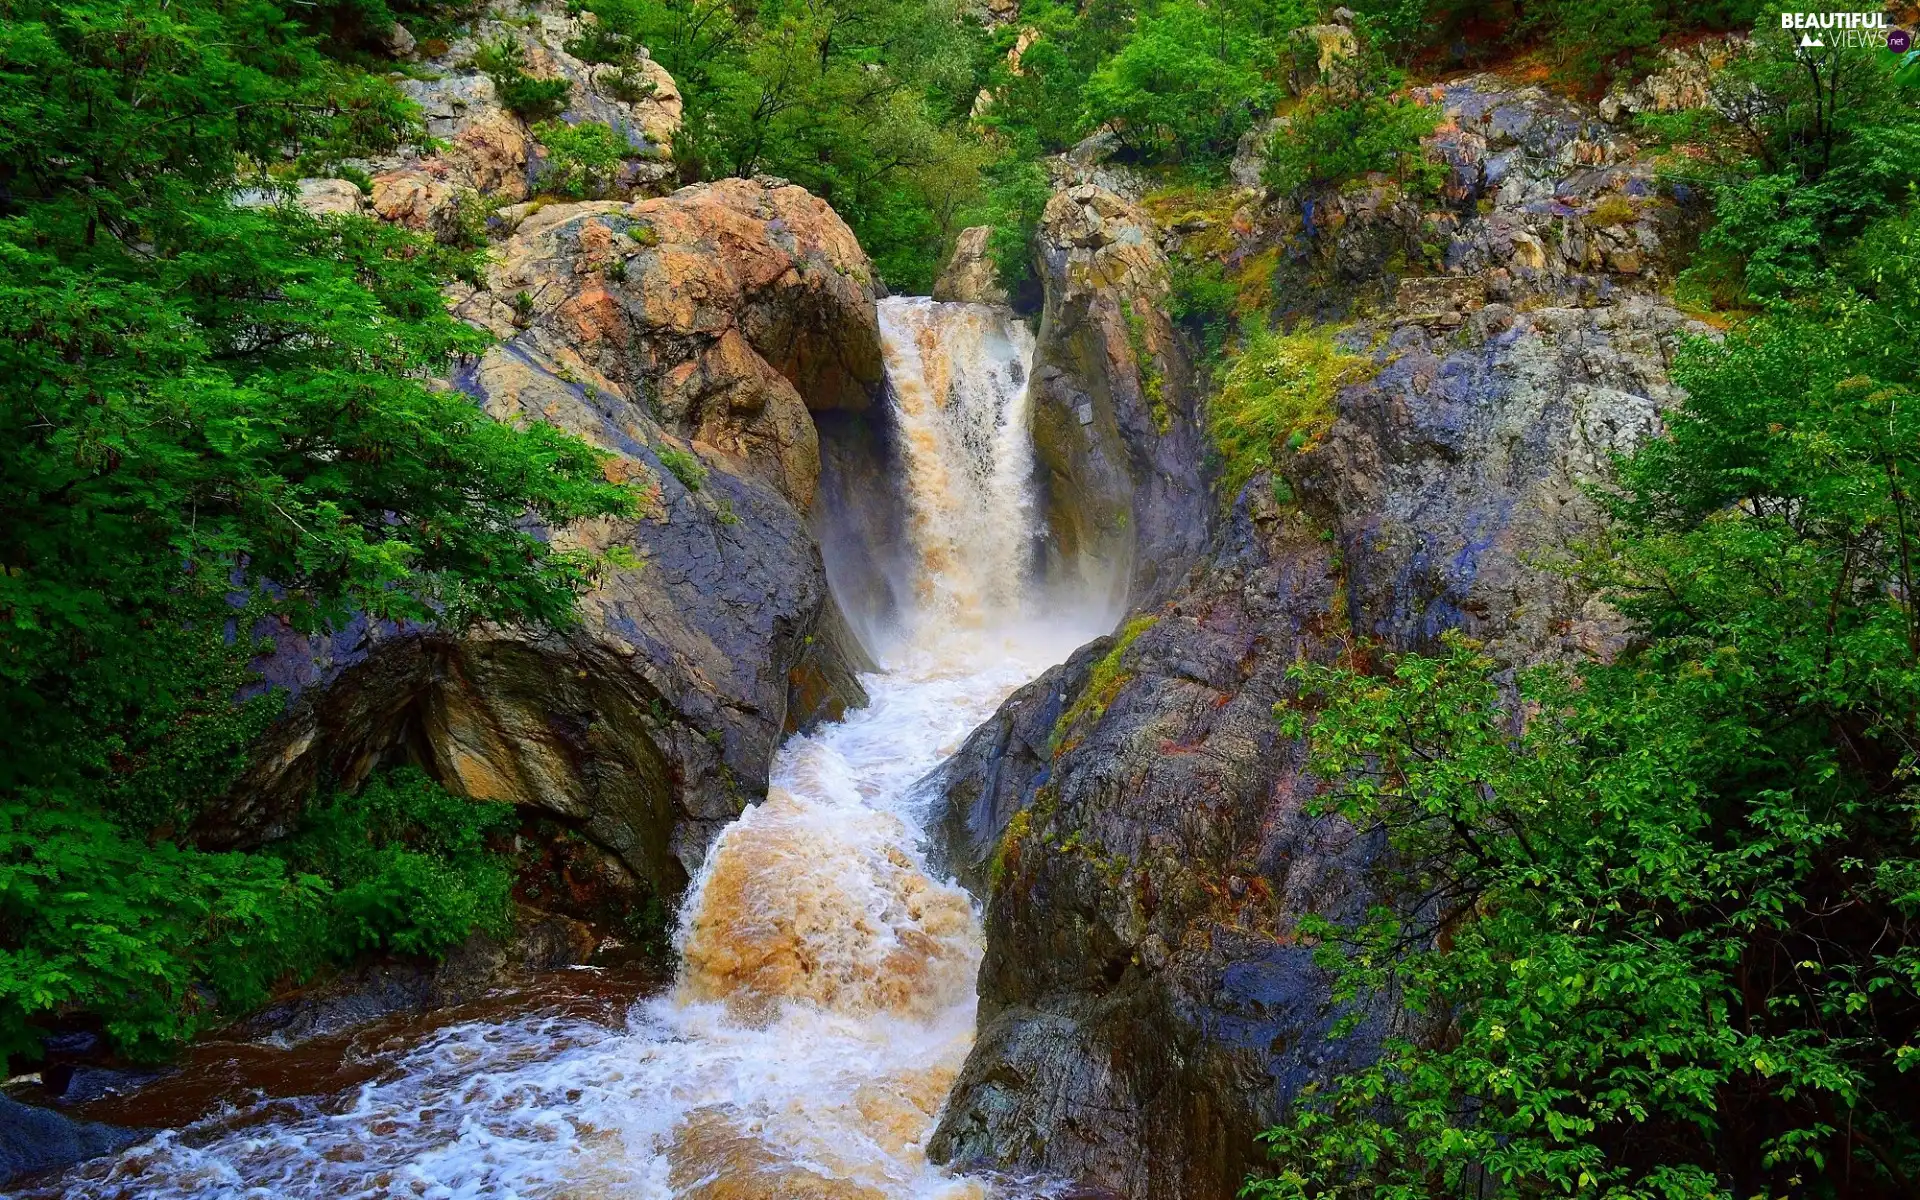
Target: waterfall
{"x": 957, "y": 383}
{"x": 825, "y": 999}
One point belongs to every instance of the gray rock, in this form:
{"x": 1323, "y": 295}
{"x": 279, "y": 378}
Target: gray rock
{"x": 970, "y": 275}
{"x": 34, "y": 1139}
{"x": 1116, "y": 425}
{"x": 1145, "y": 853}
{"x": 652, "y": 723}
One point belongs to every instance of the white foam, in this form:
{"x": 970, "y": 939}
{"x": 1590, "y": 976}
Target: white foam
{"x": 828, "y": 996}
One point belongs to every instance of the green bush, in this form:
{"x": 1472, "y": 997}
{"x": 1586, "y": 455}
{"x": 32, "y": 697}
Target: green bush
{"x": 213, "y": 419}
{"x": 407, "y": 865}
{"x": 583, "y": 158}
{"x": 1016, "y": 198}
{"x": 1186, "y": 85}
{"x": 690, "y": 471}
{"x": 1331, "y": 138}
{"x": 1662, "y": 933}
{"x": 1832, "y": 145}
{"x": 1204, "y": 302}
{"x": 1278, "y": 395}
{"x": 164, "y": 940}
{"x": 533, "y": 100}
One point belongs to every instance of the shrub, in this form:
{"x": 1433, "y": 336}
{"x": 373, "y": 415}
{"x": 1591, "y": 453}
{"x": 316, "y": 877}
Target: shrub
{"x": 1204, "y": 301}
{"x": 1186, "y": 85}
{"x": 689, "y": 470}
{"x": 1017, "y": 195}
{"x": 163, "y": 939}
{"x": 1656, "y": 917}
{"x": 1330, "y": 139}
{"x": 1613, "y": 209}
{"x": 582, "y": 158}
{"x": 408, "y": 866}
{"x": 1278, "y": 395}
{"x": 533, "y": 100}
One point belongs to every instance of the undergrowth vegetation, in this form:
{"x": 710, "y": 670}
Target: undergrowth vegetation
{"x": 1655, "y": 919}
{"x": 217, "y": 427}
{"x": 1276, "y": 397}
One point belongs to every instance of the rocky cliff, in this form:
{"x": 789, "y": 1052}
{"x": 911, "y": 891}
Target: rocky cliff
{"x": 1116, "y": 406}
{"x": 696, "y": 337}
{"x": 1133, "y": 819}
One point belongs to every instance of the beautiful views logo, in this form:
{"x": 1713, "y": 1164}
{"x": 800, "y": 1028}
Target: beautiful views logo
{"x": 1852, "y": 30}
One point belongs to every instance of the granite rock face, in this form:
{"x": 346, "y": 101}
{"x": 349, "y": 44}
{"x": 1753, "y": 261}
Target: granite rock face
{"x": 1140, "y": 968}
{"x": 1135, "y": 822}
{"x": 1116, "y": 409}
{"x": 969, "y": 276}
{"x": 691, "y": 336}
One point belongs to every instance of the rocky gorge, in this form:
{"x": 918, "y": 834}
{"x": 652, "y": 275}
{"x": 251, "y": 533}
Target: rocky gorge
{"x": 1131, "y": 822}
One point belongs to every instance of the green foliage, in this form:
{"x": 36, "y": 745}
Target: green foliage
{"x": 1104, "y": 681}
{"x": 97, "y": 920}
{"x": 690, "y": 471}
{"x": 1336, "y": 135}
{"x": 163, "y": 940}
{"x": 215, "y": 422}
{"x": 533, "y": 100}
{"x": 1187, "y": 83}
{"x": 1017, "y": 195}
{"x": 1278, "y": 396}
{"x": 1588, "y": 42}
{"x": 1827, "y": 141}
{"x": 861, "y": 102}
{"x": 582, "y": 159}
{"x": 1204, "y": 301}
{"x": 1663, "y": 933}
{"x": 408, "y": 864}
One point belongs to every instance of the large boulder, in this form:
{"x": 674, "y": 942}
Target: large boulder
{"x": 689, "y": 336}
{"x": 1144, "y": 1007}
{"x": 1116, "y": 425}
{"x": 970, "y": 276}
{"x": 36, "y": 1139}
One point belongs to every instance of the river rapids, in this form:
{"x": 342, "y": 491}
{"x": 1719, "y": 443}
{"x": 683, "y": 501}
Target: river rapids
{"x": 825, "y": 997}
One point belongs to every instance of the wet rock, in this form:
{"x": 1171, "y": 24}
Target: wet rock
{"x": 83, "y": 1083}
{"x": 1139, "y": 1021}
{"x": 1136, "y": 823}
{"x": 1457, "y": 473}
{"x": 696, "y": 330}
{"x": 36, "y": 1139}
{"x": 970, "y": 275}
{"x": 539, "y": 942}
{"x": 1000, "y": 768}
{"x": 1116, "y": 426}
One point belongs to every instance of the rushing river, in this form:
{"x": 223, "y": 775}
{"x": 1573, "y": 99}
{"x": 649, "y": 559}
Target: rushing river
{"x": 825, "y": 998}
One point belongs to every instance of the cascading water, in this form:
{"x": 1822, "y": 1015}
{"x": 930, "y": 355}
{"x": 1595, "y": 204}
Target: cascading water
{"x": 958, "y": 378}
{"x": 826, "y": 995}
